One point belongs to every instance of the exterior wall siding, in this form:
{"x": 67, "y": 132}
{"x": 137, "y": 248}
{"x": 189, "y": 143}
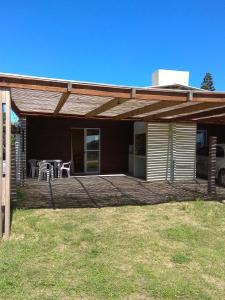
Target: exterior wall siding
{"x": 171, "y": 151}
{"x": 184, "y": 146}
{"x": 158, "y": 151}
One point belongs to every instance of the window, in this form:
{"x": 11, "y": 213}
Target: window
{"x": 201, "y": 138}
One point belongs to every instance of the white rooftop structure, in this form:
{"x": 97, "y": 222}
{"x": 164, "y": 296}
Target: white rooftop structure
{"x": 169, "y": 77}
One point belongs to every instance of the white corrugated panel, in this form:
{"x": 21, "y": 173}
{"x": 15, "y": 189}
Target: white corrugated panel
{"x": 158, "y": 152}
{"x": 184, "y": 145}
{"x": 171, "y": 151}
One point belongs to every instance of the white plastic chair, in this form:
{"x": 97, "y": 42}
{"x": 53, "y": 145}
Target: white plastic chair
{"x": 65, "y": 167}
{"x": 46, "y": 171}
{"x": 57, "y": 165}
{"x": 33, "y": 167}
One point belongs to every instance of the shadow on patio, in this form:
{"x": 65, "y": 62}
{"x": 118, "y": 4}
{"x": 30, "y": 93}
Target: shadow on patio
{"x": 101, "y": 191}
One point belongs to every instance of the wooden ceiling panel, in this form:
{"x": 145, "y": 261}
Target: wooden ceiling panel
{"x": 35, "y": 101}
{"x": 163, "y": 107}
{"x": 191, "y": 107}
{"x": 212, "y": 116}
{"x": 198, "y": 113}
{"x": 83, "y": 104}
{"x": 106, "y": 107}
{"x": 126, "y": 107}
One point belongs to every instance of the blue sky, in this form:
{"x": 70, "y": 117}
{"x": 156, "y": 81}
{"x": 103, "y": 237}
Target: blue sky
{"x": 117, "y": 42}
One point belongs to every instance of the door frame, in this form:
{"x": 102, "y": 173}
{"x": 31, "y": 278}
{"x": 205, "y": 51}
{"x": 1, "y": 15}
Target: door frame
{"x": 85, "y": 149}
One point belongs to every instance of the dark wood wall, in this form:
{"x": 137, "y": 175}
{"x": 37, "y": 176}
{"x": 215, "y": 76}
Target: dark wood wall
{"x": 50, "y": 138}
{"x": 214, "y": 130}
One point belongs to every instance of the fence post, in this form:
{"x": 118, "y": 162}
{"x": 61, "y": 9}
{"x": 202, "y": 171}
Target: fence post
{"x": 8, "y": 162}
{"x": 212, "y": 165}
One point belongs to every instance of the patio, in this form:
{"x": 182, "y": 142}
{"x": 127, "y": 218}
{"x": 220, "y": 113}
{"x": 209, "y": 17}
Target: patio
{"x": 100, "y": 191}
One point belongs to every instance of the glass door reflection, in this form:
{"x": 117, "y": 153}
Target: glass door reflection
{"x": 92, "y": 150}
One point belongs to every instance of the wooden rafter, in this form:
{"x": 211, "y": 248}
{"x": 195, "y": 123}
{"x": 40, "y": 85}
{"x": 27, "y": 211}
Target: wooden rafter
{"x": 213, "y": 119}
{"x": 147, "y": 109}
{"x": 184, "y": 110}
{"x": 195, "y": 115}
{"x": 210, "y": 117}
{"x": 106, "y": 106}
{"x": 63, "y": 99}
{"x": 220, "y": 119}
{"x": 110, "y": 104}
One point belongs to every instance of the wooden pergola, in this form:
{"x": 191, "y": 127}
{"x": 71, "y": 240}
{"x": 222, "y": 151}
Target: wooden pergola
{"x": 60, "y": 98}
{"x": 33, "y": 96}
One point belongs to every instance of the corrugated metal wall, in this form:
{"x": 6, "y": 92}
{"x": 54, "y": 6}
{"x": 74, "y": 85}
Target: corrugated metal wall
{"x": 184, "y": 151}
{"x": 170, "y": 151}
{"x": 158, "y": 152}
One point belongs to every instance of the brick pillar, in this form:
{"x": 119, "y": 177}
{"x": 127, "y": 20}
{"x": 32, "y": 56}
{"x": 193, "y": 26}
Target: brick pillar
{"x": 212, "y": 165}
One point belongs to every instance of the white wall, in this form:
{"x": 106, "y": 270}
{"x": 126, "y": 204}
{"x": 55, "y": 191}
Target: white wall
{"x": 167, "y": 77}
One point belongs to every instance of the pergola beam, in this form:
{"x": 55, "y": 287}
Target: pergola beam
{"x": 185, "y": 110}
{"x": 198, "y": 114}
{"x": 110, "y": 104}
{"x": 147, "y": 109}
{"x": 106, "y": 106}
{"x": 63, "y": 99}
{"x": 64, "y": 115}
{"x": 35, "y": 87}
{"x": 117, "y": 92}
{"x": 210, "y": 117}
{"x": 103, "y": 91}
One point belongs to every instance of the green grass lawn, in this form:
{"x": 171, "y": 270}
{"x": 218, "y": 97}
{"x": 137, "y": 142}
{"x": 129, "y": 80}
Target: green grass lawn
{"x": 168, "y": 251}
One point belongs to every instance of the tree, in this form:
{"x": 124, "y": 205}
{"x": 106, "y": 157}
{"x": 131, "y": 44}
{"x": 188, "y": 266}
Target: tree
{"x": 207, "y": 83}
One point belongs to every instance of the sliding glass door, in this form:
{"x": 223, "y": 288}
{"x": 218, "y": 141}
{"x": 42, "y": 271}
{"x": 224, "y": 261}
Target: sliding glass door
{"x": 92, "y": 150}
{"x": 85, "y": 143}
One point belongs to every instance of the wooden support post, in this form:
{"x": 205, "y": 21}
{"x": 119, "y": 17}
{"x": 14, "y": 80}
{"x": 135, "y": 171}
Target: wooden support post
{"x": 1, "y": 164}
{"x": 8, "y": 163}
{"x": 212, "y": 165}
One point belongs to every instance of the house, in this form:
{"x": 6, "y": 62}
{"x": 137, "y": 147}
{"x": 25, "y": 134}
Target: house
{"x": 148, "y": 132}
